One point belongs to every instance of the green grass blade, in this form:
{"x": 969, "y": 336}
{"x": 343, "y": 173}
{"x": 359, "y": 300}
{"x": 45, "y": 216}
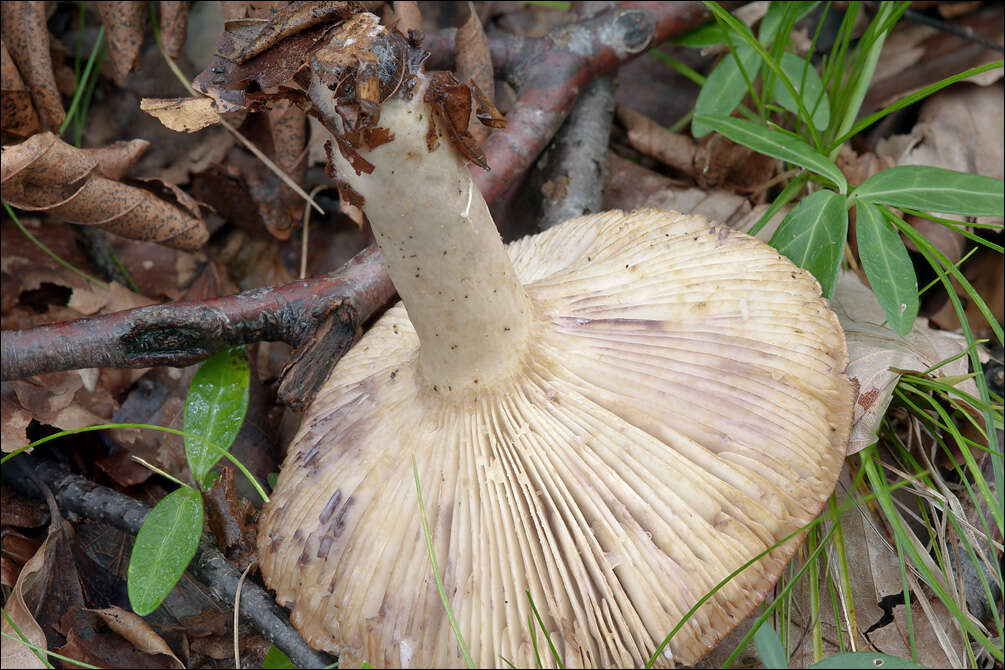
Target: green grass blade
{"x": 935, "y": 190}
{"x": 164, "y": 546}
{"x": 48, "y": 251}
{"x": 436, "y": 570}
{"x": 81, "y": 85}
{"x": 777, "y": 145}
{"x": 87, "y": 429}
{"x": 909, "y": 100}
{"x": 547, "y": 635}
{"x": 888, "y": 266}
{"x": 812, "y": 236}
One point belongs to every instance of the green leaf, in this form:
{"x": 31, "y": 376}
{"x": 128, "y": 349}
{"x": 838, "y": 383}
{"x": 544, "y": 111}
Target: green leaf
{"x": 888, "y": 266}
{"x": 935, "y": 190}
{"x": 864, "y": 660}
{"x": 813, "y": 235}
{"x": 275, "y": 659}
{"x": 724, "y": 88}
{"x": 164, "y": 546}
{"x": 777, "y": 145}
{"x": 703, "y": 36}
{"x": 814, "y": 98}
{"x": 769, "y": 648}
{"x": 214, "y": 409}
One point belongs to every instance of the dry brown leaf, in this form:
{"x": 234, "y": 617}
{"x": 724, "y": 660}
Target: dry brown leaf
{"x": 133, "y": 628}
{"x": 18, "y": 116}
{"x": 14, "y": 418}
{"x": 46, "y": 174}
{"x": 183, "y": 115}
{"x": 27, "y": 39}
{"x": 474, "y": 64}
{"x": 877, "y": 355}
{"x": 173, "y": 25}
{"x": 407, "y": 15}
{"x": 14, "y": 654}
{"x": 278, "y": 25}
{"x": 124, "y": 29}
{"x": 985, "y": 275}
{"x": 288, "y": 127}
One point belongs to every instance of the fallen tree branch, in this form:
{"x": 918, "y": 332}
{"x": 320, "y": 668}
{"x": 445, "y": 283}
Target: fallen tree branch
{"x": 577, "y": 159}
{"x": 553, "y": 69}
{"x": 183, "y": 333}
{"x": 79, "y": 496}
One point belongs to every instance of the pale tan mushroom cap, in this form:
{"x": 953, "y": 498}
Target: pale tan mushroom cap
{"x": 681, "y": 408}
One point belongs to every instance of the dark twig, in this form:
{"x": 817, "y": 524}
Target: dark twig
{"x": 577, "y": 159}
{"x": 77, "y": 495}
{"x": 183, "y": 333}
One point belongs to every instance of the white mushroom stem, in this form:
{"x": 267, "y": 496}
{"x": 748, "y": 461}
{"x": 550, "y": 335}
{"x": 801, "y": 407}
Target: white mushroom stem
{"x": 442, "y": 251}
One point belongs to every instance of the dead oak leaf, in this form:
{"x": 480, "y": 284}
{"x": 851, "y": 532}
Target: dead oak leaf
{"x": 878, "y": 356}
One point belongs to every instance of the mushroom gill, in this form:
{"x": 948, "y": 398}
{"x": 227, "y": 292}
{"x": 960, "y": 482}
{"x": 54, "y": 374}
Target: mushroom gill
{"x": 679, "y": 409}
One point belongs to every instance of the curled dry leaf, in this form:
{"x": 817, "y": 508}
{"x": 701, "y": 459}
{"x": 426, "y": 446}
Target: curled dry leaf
{"x": 878, "y": 356}
{"x": 228, "y": 519}
{"x": 288, "y": 127}
{"x": 474, "y": 64}
{"x": 251, "y": 39}
{"x": 174, "y": 25}
{"x": 81, "y": 186}
{"x": 405, "y": 16}
{"x": 14, "y": 654}
{"x": 18, "y": 116}
{"x": 27, "y": 39}
{"x": 124, "y": 27}
{"x": 136, "y": 630}
{"x": 183, "y": 115}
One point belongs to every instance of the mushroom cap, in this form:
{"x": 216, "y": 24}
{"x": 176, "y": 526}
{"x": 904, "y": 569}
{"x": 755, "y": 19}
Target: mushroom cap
{"x": 681, "y": 407}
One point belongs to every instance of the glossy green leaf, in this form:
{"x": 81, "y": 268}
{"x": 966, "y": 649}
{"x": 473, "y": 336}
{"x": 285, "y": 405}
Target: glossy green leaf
{"x": 724, "y": 88}
{"x": 864, "y": 660}
{"x": 935, "y": 190}
{"x": 275, "y": 659}
{"x": 807, "y": 83}
{"x": 214, "y": 409}
{"x": 888, "y": 266}
{"x": 769, "y": 648}
{"x": 812, "y": 236}
{"x": 164, "y": 546}
{"x": 777, "y": 145}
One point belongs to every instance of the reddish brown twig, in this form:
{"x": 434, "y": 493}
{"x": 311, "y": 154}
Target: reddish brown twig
{"x": 183, "y": 333}
{"x": 552, "y": 70}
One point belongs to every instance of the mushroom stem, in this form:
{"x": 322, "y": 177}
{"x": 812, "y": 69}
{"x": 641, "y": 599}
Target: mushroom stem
{"x": 442, "y": 251}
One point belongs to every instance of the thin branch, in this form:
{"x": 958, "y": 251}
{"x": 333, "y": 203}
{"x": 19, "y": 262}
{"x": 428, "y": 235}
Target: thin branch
{"x": 183, "y": 333}
{"x": 553, "y": 69}
{"x": 77, "y": 495}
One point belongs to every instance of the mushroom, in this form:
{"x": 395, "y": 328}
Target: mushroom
{"x": 613, "y": 415}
